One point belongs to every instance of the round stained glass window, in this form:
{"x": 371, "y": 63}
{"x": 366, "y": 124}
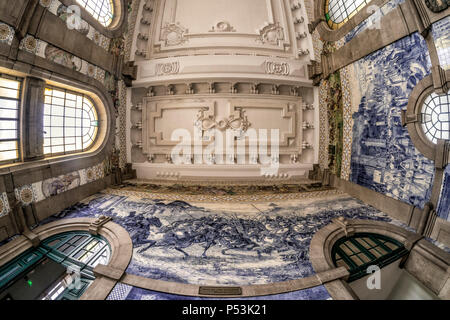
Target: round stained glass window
{"x": 435, "y": 117}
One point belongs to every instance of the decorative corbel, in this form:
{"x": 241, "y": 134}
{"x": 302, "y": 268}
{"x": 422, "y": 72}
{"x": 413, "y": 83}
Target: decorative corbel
{"x": 129, "y": 73}
{"x": 315, "y": 72}
{"x": 313, "y": 25}
{"x": 439, "y": 80}
{"x": 421, "y": 17}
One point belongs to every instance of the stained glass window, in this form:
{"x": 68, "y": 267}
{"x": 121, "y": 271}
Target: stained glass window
{"x": 102, "y": 10}
{"x": 70, "y": 122}
{"x": 9, "y": 118}
{"x": 337, "y": 12}
{"x": 436, "y": 117}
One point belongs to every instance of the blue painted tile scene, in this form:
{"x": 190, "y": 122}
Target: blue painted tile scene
{"x": 181, "y": 242}
{"x": 384, "y": 158}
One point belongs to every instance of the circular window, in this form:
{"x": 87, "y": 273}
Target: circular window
{"x": 435, "y": 117}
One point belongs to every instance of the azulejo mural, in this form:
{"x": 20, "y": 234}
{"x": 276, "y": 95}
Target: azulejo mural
{"x": 384, "y": 158}
{"x": 443, "y": 209}
{"x": 207, "y": 244}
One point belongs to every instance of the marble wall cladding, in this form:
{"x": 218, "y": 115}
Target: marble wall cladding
{"x": 384, "y": 158}
{"x": 217, "y": 243}
{"x": 60, "y": 10}
{"x": 443, "y": 208}
{"x": 126, "y": 292}
{"x": 372, "y": 21}
{"x": 441, "y": 36}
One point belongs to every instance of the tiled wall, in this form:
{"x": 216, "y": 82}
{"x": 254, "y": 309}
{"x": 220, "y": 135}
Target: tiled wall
{"x": 42, "y": 190}
{"x": 443, "y": 209}
{"x": 384, "y": 158}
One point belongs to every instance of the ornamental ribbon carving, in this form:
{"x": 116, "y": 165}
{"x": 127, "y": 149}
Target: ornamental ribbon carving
{"x": 277, "y": 68}
{"x": 237, "y": 121}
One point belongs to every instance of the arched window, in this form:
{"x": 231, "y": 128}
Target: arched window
{"x": 60, "y": 268}
{"x": 102, "y": 10}
{"x": 337, "y": 12}
{"x": 10, "y": 92}
{"x": 70, "y": 122}
{"x": 361, "y": 250}
{"x": 435, "y": 117}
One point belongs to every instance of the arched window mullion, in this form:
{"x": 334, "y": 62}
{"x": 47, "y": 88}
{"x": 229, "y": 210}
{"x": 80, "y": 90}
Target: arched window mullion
{"x": 69, "y": 138}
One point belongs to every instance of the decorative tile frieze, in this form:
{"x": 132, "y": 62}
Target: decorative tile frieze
{"x": 71, "y": 17}
{"x": 6, "y": 34}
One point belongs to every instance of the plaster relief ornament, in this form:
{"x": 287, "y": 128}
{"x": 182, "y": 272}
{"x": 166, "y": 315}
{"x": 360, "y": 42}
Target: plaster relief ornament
{"x": 167, "y": 68}
{"x": 237, "y": 122}
{"x": 277, "y": 68}
{"x": 222, "y": 26}
{"x": 173, "y": 34}
{"x": 271, "y": 33}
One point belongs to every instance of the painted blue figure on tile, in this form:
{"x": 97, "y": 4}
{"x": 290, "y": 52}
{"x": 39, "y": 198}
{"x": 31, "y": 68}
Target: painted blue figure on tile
{"x": 181, "y": 242}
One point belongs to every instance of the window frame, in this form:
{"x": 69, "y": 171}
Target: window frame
{"x": 19, "y": 100}
{"x": 424, "y": 105}
{"x": 336, "y": 25}
{"x": 97, "y": 14}
{"x": 359, "y": 271}
{"x": 96, "y": 132}
{"x": 411, "y": 117}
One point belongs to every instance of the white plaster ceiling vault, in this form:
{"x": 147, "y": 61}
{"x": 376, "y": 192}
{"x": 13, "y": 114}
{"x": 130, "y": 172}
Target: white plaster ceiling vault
{"x": 193, "y": 48}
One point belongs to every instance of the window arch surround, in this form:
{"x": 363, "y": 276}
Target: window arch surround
{"x": 421, "y": 96}
{"x": 117, "y": 237}
{"x": 62, "y": 164}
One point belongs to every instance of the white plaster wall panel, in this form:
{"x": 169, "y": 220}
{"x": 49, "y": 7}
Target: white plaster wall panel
{"x": 161, "y": 116}
{"x": 191, "y": 68}
{"x": 201, "y": 15}
{"x": 179, "y": 27}
{"x": 223, "y": 172}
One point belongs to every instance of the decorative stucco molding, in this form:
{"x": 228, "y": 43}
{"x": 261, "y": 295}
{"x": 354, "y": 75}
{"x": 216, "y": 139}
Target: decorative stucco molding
{"x": 174, "y": 34}
{"x": 236, "y": 121}
{"x": 222, "y": 26}
{"x": 271, "y": 33}
{"x": 162, "y": 69}
{"x": 277, "y": 68}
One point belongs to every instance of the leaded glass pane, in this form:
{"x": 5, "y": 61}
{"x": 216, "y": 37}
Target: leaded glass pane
{"x": 101, "y": 10}
{"x": 69, "y": 118}
{"x": 435, "y": 117}
{"x": 337, "y": 12}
